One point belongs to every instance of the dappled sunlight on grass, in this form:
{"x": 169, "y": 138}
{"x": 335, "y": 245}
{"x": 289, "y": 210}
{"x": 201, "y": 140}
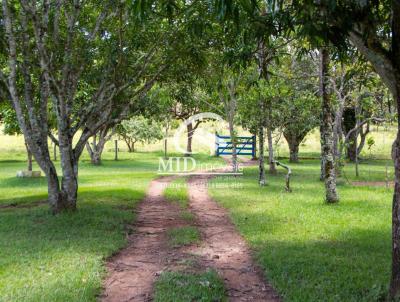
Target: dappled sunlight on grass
{"x": 312, "y": 251}
{"x": 61, "y": 258}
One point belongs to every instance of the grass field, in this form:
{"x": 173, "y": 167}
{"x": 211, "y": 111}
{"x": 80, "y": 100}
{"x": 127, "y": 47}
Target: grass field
{"x": 312, "y": 251}
{"x": 48, "y": 258}
{"x": 309, "y": 251}
{"x": 61, "y": 258}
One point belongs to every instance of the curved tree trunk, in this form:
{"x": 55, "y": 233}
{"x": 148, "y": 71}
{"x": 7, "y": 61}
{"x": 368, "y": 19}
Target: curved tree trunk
{"x": 96, "y": 148}
{"x": 327, "y": 132}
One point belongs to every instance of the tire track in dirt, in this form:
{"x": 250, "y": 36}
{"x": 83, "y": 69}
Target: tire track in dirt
{"x": 132, "y": 272}
{"x": 224, "y": 249}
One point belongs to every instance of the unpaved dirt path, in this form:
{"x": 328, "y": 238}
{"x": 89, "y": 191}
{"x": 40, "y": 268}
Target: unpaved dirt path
{"x": 224, "y": 249}
{"x": 132, "y": 271}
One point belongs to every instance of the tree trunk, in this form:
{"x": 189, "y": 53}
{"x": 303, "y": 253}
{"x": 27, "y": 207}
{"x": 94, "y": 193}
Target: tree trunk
{"x": 166, "y": 140}
{"x": 271, "y": 159}
{"x": 321, "y": 132}
{"x": 29, "y": 156}
{"x": 129, "y": 144}
{"x": 395, "y": 278}
{"x": 99, "y": 141}
{"x": 94, "y": 153}
{"x": 54, "y": 192}
{"x": 293, "y": 140}
{"x": 294, "y": 151}
{"x": 351, "y": 148}
{"x": 389, "y": 71}
{"x": 190, "y": 132}
{"x": 234, "y": 152}
{"x": 363, "y": 135}
{"x": 349, "y": 122}
{"x": 69, "y": 165}
{"x": 327, "y": 134}
{"x": 261, "y": 160}
{"x": 338, "y": 131}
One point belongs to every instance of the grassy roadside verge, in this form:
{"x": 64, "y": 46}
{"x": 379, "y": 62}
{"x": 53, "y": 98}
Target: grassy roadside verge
{"x": 311, "y": 251}
{"x": 61, "y": 258}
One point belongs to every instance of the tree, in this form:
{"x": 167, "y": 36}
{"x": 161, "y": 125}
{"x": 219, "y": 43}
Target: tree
{"x": 328, "y": 159}
{"x": 56, "y": 50}
{"x": 99, "y": 140}
{"x": 138, "y": 129}
{"x": 374, "y": 29}
{"x": 188, "y": 99}
{"x": 228, "y": 95}
{"x": 298, "y": 109}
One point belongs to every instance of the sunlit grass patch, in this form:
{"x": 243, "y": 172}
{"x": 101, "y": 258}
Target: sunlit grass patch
{"x": 184, "y": 235}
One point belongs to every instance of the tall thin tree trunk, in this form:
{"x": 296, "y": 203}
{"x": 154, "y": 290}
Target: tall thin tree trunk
{"x": 166, "y": 140}
{"x": 337, "y": 130}
{"x": 271, "y": 158}
{"x": 327, "y": 131}
{"x": 29, "y": 157}
{"x": 230, "y": 104}
{"x": 322, "y": 173}
{"x": 190, "y": 132}
{"x": 261, "y": 158}
{"x": 234, "y": 151}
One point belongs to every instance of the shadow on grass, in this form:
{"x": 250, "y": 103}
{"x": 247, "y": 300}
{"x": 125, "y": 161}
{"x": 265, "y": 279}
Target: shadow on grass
{"x": 85, "y": 196}
{"x": 41, "y": 252}
{"x": 351, "y": 267}
{"x": 12, "y": 161}
{"x": 23, "y": 182}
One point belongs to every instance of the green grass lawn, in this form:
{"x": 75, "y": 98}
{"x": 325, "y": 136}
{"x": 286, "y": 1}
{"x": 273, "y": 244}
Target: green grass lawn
{"x": 61, "y": 258}
{"x": 312, "y": 251}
